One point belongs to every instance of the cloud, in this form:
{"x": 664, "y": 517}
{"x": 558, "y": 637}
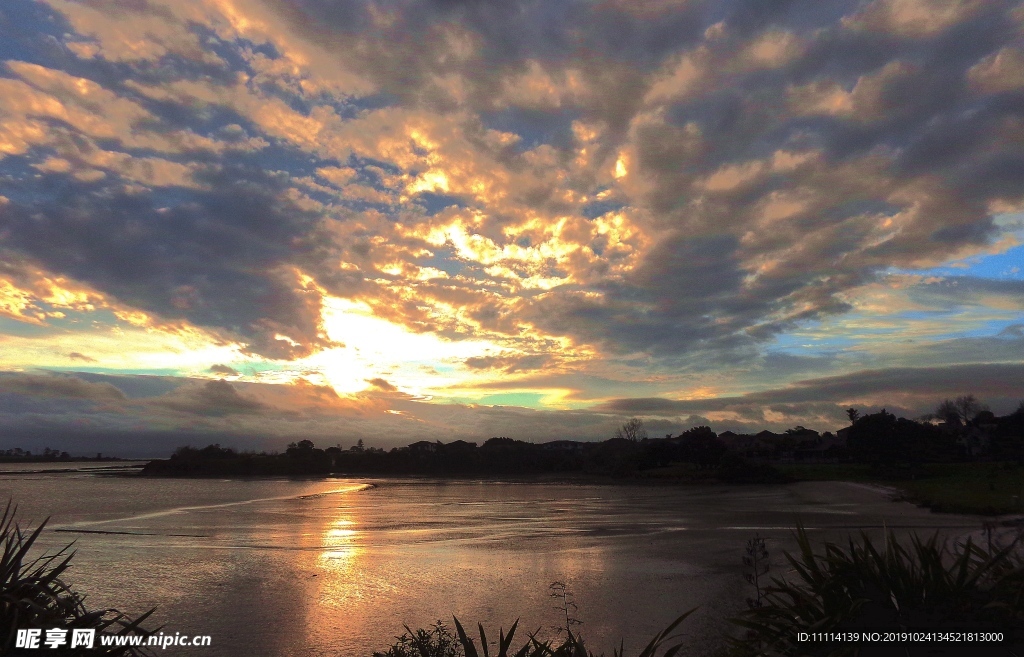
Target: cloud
{"x": 74, "y": 355}
{"x": 224, "y": 369}
{"x": 608, "y": 193}
{"x": 163, "y": 412}
{"x": 59, "y": 386}
{"x": 914, "y": 18}
{"x": 999, "y": 72}
{"x": 58, "y": 410}
{"x": 772, "y": 196}
{"x": 915, "y": 390}
{"x": 510, "y": 363}
{"x": 229, "y": 259}
{"x": 382, "y": 385}
{"x": 971, "y": 290}
{"x": 212, "y": 398}
{"x": 28, "y": 294}
{"x": 982, "y": 379}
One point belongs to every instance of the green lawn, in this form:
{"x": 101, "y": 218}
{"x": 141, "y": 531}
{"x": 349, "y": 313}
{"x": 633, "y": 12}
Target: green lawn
{"x": 981, "y": 488}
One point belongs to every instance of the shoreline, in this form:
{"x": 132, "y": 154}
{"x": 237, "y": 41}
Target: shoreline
{"x": 892, "y": 492}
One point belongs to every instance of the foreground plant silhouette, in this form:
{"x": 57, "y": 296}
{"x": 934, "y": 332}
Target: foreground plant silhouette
{"x": 33, "y": 595}
{"x": 566, "y": 604}
{"x": 922, "y": 586}
{"x": 925, "y": 587}
{"x": 756, "y": 560}
{"x": 440, "y": 642}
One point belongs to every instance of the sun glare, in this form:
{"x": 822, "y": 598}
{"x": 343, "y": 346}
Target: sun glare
{"x": 375, "y": 348}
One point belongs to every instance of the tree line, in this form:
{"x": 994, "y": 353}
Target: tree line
{"x": 960, "y": 430}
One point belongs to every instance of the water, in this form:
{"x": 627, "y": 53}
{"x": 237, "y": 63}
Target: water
{"x": 277, "y": 567}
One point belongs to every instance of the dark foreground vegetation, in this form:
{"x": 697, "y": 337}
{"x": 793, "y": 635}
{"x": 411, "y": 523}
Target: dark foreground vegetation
{"x": 33, "y": 594}
{"x": 899, "y": 589}
{"x": 923, "y": 586}
{"x": 439, "y": 641}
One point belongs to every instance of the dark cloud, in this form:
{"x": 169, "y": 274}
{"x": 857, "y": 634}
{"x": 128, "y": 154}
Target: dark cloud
{"x": 685, "y": 296}
{"x": 74, "y": 355}
{"x": 409, "y": 44}
{"x": 224, "y": 369}
{"x": 212, "y": 398}
{"x": 968, "y": 290}
{"x": 381, "y": 384}
{"x": 124, "y": 443}
{"x": 135, "y": 387}
{"x": 59, "y": 386}
{"x": 62, "y": 411}
{"x": 919, "y": 385}
{"x": 783, "y": 365}
{"x": 509, "y": 363}
{"x": 223, "y": 259}
{"x": 200, "y": 412}
{"x": 921, "y": 125}
{"x": 1005, "y": 380}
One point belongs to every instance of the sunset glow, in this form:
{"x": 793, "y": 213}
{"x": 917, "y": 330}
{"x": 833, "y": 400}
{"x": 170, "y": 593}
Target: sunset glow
{"x": 438, "y": 221}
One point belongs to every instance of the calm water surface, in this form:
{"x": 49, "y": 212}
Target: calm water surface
{"x": 283, "y": 568}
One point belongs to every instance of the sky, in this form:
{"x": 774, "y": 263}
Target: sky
{"x": 256, "y": 221}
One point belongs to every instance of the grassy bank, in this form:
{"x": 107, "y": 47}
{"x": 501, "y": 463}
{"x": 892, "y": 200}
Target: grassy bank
{"x": 976, "y": 488}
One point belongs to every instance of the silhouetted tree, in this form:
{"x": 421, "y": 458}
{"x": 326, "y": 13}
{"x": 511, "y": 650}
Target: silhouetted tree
{"x": 700, "y": 445}
{"x": 633, "y": 430}
{"x": 853, "y": 414}
{"x": 1007, "y": 441}
{"x": 961, "y": 410}
{"x": 946, "y": 411}
{"x": 984, "y": 417}
{"x": 883, "y": 438}
{"x": 303, "y": 450}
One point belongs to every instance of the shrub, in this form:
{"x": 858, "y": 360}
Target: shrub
{"x": 33, "y": 595}
{"x": 440, "y": 642}
{"x": 923, "y": 587}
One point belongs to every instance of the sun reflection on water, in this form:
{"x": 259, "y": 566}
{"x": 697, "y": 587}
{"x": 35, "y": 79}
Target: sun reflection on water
{"x": 340, "y": 550}
{"x": 337, "y": 589}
